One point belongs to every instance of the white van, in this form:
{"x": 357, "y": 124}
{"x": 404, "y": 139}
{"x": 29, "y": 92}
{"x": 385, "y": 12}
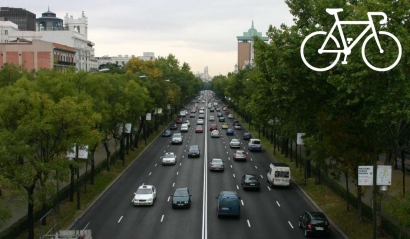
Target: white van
{"x": 183, "y": 113}
{"x": 184, "y": 127}
{"x": 254, "y": 145}
{"x": 279, "y": 174}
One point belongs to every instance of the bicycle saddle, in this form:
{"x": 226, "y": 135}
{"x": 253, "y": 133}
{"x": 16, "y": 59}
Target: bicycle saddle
{"x": 333, "y": 11}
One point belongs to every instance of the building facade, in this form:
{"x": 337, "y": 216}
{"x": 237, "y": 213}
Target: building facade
{"x": 37, "y": 54}
{"x": 121, "y": 60}
{"x": 245, "y": 47}
{"x": 25, "y": 20}
{"x": 49, "y": 22}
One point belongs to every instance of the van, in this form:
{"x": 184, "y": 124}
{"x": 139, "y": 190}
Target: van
{"x": 183, "y": 113}
{"x": 184, "y": 127}
{"x": 254, "y": 145}
{"x": 228, "y": 204}
{"x": 279, "y": 174}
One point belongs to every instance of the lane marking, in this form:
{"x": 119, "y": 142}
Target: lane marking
{"x": 205, "y": 187}
{"x": 169, "y": 197}
{"x": 290, "y": 224}
{"x": 261, "y": 176}
{"x": 269, "y": 188}
{"x": 242, "y": 202}
{"x": 149, "y": 173}
{"x": 251, "y": 159}
{"x": 249, "y": 224}
{"x": 278, "y": 203}
{"x": 173, "y": 184}
{"x": 162, "y": 218}
{"x": 237, "y": 187}
{"x": 120, "y": 219}
{"x": 155, "y": 164}
{"x": 177, "y": 173}
{"x": 256, "y": 167}
{"x": 234, "y": 175}
{"x": 180, "y": 164}
{"x": 231, "y": 165}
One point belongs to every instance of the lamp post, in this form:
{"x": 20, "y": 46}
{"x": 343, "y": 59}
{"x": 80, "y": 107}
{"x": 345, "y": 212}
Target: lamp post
{"x": 382, "y": 189}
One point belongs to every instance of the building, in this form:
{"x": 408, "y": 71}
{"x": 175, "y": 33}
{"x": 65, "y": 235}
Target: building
{"x": 147, "y": 56}
{"x": 37, "y": 54}
{"x": 245, "y": 47}
{"x": 121, "y": 60}
{"x": 204, "y": 76}
{"x": 25, "y": 20}
{"x": 49, "y": 22}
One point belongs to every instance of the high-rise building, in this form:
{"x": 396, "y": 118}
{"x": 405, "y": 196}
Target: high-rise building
{"x": 245, "y": 47}
{"x": 25, "y": 20}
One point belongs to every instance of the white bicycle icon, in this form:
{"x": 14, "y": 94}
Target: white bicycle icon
{"x": 348, "y": 49}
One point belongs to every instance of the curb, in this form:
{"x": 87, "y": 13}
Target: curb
{"x": 71, "y": 226}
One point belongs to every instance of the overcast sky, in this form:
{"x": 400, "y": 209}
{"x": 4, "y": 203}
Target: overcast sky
{"x": 199, "y": 32}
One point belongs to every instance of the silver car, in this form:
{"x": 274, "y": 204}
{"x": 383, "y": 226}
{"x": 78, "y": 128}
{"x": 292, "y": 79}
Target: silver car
{"x": 235, "y": 143}
{"x": 177, "y": 138}
{"x": 200, "y": 121}
{"x": 216, "y": 164}
{"x": 215, "y": 134}
{"x": 169, "y": 158}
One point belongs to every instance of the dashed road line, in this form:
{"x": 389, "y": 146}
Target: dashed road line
{"x": 162, "y": 218}
{"x": 290, "y": 224}
{"x": 242, "y": 202}
{"x": 249, "y": 224}
{"x": 278, "y": 203}
{"x": 120, "y": 219}
{"x": 234, "y": 175}
{"x": 173, "y": 184}
{"x": 261, "y": 176}
{"x": 237, "y": 187}
{"x": 169, "y": 197}
{"x": 269, "y": 188}
{"x": 150, "y": 173}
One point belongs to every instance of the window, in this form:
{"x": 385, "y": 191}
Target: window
{"x": 6, "y": 32}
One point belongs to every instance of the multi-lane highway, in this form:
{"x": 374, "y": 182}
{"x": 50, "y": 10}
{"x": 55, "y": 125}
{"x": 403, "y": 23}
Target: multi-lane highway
{"x": 268, "y": 213}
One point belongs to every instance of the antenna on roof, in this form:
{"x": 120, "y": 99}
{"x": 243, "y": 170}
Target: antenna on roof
{"x": 48, "y": 7}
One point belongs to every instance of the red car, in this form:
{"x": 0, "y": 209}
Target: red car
{"x": 213, "y": 127}
{"x": 199, "y": 129}
{"x": 178, "y": 121}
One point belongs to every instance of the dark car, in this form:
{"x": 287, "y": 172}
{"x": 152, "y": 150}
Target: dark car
{"x": 219, "y": 115}
{"x": 173, "y": 127}
{"x": 314, "y": 223}
{"x": 194, "y": 151}
{"x": 166, "y": 133}
{"x": 250, "y": 181}
{"x": 228, "y": 204}
{"x": 181, "y": 198}
{"x": 192, "y": 115}
{"x": 235, "y": 121}
{"x": 247, "y": 136}
{"x": 221, "y": 119}
{"x": 227, "y": 112}
{"x": 178, "y": 121}
{"x": 212, "y": 110}
{"x": 229, "y": 132}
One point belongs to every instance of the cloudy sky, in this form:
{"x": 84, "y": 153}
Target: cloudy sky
{"x": 199, "y": 32}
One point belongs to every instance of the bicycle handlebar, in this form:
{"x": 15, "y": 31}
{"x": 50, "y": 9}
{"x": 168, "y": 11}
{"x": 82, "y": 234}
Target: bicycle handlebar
{"x": 383, "y": 21}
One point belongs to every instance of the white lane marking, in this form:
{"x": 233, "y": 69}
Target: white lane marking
{"x": 205, "y": 187}
{"x": 177, "y": 173}
{"x": 231, "y": 165}
{"x": 242, "y": 202}
{"x": 165, "y": 151}
{"x": 225, "y": 146}
{"x": 269, "y": 188}
{"x": 249, "y": 224}
{"x": 256, "y": 167}
{"x": 261, "y": 176}
{"x": 183, "y": 156}
{"x": 120, "y": 219}
{"x": 251, "y": 159}
{"x": 290, "y": 224}
{"x": 237, "y": 186}
{"x": 155, "y": 164}
{"x": 169, "y": 197}
{"x": 150, "y": 173}
{"x": 173, "y": 184}
{"x": 234, "y": 175}
{"x": 162, "y": 218}
{"x": 180, "y": 164}
{"x": 278, "y": 203}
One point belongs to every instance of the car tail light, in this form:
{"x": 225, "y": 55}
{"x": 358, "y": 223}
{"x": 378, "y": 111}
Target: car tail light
{"x": 246, "y": 184}
{"x": 328, "y": 227}
{"x": 219, "y": 208}
{"x": 309, "y": 226}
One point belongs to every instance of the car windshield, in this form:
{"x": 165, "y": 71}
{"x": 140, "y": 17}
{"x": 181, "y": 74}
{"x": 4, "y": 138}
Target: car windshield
{"x": 217, "y": 161}
{"x": 169, "y": 156}
{"x": 235, "y": 140}
{"x": 181, "y": 193}
{"x": 144, "y": 191}
{"x": 251, "y": 178}
{"x": 318, "y": 221}
{"x": 177, "y": 136}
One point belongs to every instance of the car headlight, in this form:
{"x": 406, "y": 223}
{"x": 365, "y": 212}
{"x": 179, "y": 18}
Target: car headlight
{"x": 149, "y": 200}
{"x": 186, "y": 202}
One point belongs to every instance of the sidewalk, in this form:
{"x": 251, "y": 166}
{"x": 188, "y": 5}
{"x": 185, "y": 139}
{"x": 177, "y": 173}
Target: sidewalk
{"x": 19, "y": 207}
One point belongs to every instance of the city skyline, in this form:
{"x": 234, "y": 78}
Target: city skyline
{"x": 201, "y": 33}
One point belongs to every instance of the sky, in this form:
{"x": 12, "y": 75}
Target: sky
{"x": 198, "y": 32}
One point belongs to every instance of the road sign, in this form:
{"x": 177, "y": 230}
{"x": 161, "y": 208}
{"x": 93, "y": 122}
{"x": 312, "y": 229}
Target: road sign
{"x": 299, "y": 139}
{"x": 365, "y": 175}
{"x": 383, "y": 175}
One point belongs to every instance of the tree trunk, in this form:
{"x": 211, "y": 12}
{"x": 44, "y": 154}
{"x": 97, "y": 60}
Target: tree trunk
{"x": 107, "y": 150}
{"x": 347, "y": 191}
{"x": 282, "y": 140}
{"x": 274, "y": 142}
{"x": 403, "y": 170}
{"x": 286, "y": 144}
{"x": 71, "y": 183}
{"x": 30, "y": 212}
{"x": 291, "y": 151}
{"x": 359, "y": 203}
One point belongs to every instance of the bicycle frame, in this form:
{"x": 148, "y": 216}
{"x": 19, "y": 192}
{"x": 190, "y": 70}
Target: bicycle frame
{"x": 347, "y": 49}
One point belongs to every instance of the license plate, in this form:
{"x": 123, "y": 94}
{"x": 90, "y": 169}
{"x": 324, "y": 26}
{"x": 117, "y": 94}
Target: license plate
{"x": 319, "y": 228}
{"x": 180, "y": 204}
{"x": 252, "y": 184}
{"x": 225, "y": 208}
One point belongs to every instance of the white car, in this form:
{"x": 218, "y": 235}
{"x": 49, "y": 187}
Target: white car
{"x": 169, "y": 158}
{"x": 188, "y": 123}
{"x": 230, "y": 116}
{"x": 201, "y": 112}
{"x": 177, "y": 138}
{"x": 215, "y": 134}
{"x": 184, "y": 128}
{"x": 145, "y": 195}
{"x": 211, "y": 118}
{"x": 200, "y": 121}
{"x": 235, "y": 143}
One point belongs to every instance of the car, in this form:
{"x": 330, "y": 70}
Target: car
{"x": 145, "y": 195}
{"x": 247, "y": 136}
{"x": 202, "y": 108}
{"x": 230, "y": 116}
{"x": 219, "y": 115}
{"x": 254, "y": 145}
{"x": 224, "y": 108}
{"x": 221, "y": 119}
{"x": 200, "y": 122}
{"x": 169, "y": 158}
{"x": 239, "y": 155}
{"x": 227, "y": 113}
{"x": 211, "y": 118}
{"x": 181, "y": 198}
{"x": 212, "y": 110}
{"x": 187, "y": 122}
{"x": 250, "y": 181}
{"x": 225, "y": 126}
{"x": 194, "y": 151}
{"x": 213, "y": 127}
{"x": 228, "y": 204}
{"x": 178, "y": 121}
{"x": 177, "y": 138}
{"x": 192, "y": 115}
{"x": 201, "y": 111}
{"x": 215, "y": 134}
{"x": 173, "y": 127}
{"x": 166, "y": 133}
{"x": 229, "y": 132}
{"x": 199, "y": 129}
{"x": 201, "y": 116}
{"x": 218, "y": 109}
{"x": 314, "y": 223}
{"x": 216, "y": 164}
{"x": 184, "y": 127}
{"x": 235, "y": 143}
{"x": 237, "y": 126}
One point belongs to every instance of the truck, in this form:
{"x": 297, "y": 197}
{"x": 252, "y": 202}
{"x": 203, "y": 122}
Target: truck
{"x": 279, "y": 174}
{"x": 182, "y": 114}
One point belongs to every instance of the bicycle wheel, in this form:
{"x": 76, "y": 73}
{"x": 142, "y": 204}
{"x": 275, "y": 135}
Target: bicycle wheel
{"x": 390, "y": 56}
{"x": 309, "y": 51}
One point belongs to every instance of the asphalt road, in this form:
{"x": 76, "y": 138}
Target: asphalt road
{"x": 268, "y": 213}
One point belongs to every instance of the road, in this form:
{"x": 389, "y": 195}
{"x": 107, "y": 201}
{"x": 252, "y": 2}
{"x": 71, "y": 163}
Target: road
{"x": 268, "y": 213}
